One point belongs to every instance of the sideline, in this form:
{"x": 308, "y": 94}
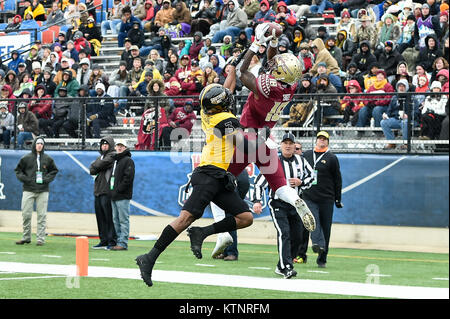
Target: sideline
{"x": 295, "y": 285}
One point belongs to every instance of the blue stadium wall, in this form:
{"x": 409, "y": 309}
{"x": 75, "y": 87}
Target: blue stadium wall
{"x": 377, "y": 189}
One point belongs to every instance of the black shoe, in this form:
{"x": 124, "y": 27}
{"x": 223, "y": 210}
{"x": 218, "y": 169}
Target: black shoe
{"x": 321, "y": 265}
{"x": 287, "y": 272}
{"x": 317, "y": 249}
{"x": 196, "y": 236}
{"x": 146, "y": 267}
{"x": 21, "y": 242}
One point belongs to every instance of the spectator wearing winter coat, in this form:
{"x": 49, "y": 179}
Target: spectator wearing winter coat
{"x": 56, "y": 16}
{"x": 27, "y": 125}
{"x": 429, "y": 53}
{"x": 182, "y": 118}
{"x": 204, "y": 18}
{"x": 350, "y": 105}
{"x": 16, "y": 59}
{"x": 114, "y": 19}
{"x": 433, "y": 113}
{"x": 181, "y": 14}
{"x": 323, "y": 55}
{"x": 6, "y": 124}
{"x": 284, "y": 14}
{"x": 196, "y": 46}
{"x": 37, "y": 10}
{"x": 163, "y": 16}
{"x": 330, "y": 104}
{"x": 127, "y": 24}
{"x": 6, "y": 92}
{"x": 41, "y": 108}
{"x": 364, "y": 58}
{"x": 100, "y": 112}
{"x": 389, "y": 58}
{"x": 376, "y": 105}
{"x": 306, "y": 57}
{"x": 426, "y": 25}
{"x": 236, "y": 22}
{"x": 366, "y": 32}
{"x": 136, "y": 34}
{"x": 334, "y": 50}
{"x": 347, "y": 47}
{"x": 443, "y": 78}
{"x": 332, "y": 78}
{"x": 396, "y": 115}
{"x": 69, "y": 82}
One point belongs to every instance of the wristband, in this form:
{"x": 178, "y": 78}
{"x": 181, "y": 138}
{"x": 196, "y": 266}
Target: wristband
{"x": 274, "y": 43}
{"x": 255, "y": 47}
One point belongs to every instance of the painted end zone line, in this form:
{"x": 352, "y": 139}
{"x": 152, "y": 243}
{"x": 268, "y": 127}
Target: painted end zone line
{"x": 295, "y": 285}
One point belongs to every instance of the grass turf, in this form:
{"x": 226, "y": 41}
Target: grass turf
{"x": 353, "y": 265}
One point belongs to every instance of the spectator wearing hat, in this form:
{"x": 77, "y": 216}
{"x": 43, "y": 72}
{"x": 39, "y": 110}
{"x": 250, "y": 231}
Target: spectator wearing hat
{"x": 36, "y": 170}
{"x": 347, "y": 47}
{"x": 100, "y": 112}
{"x": 388, "y": 29}
{"x": 101, "y": 168}
{"x": 97, "y": 76}
{"x": 65, "y": 66}
{"x": 163, "y": 16}
{"x": 71, "y": 51}
{"x": 133, "y": 78}
{"x": 61, "y": 40}
{"x": 149, "y": 15}
{"x": 33, "y": 56}
{"x": 396, "y": 115}
{"x": 6, "y": 124}
{"x": 92, "y": 34}
{"x": 84, "y": 72}
{"x": 209, "y": 75}
{"x": 16, "y": 59}
{"x": 376, "y": 105}
{"x": 366, "y": 32}
{"x": 136, "y": 34}
{"x": 306, "y": 57}
{"x": 182, "y": 119}
{"x": 350, "y": 105}
{"x": 324, "y": 193}
{"x": 158, "y": 42}
{"x": 389, "y": 58}
{"x": 433, "y": 113}
{"x": 114, "y": 19}
{"x": 134, "y": 54}
{"x": 69, "y": 81}
{"x": 75, "y": 117}
{"x": 334, "y": 50}
{"x": 41, "y": 105}
{"x": 126, "y": 53}
{"x": 47, "y": 80}
{"x": 332, "y": 78}
{"x": 12, "y": 81}
{"x": 80, "y": 43}
{"x": 185, "y": 68}
{"x": 406, "y": 39}
{"x": 289, "y": 227}
{"x": 27, "y": 125}
{"x": 443, "y": 19}
{"x": 21, "y": 69}
{"x": 364, "y": 57}
{"x": 426, "y": 25}
{"x": 193, "y": 84}
{"x": 127, "y": 24}
{"x": 429, "y": 53}
{"x": 347, "y": 24}
{"x": 121, "y": 192}
{"x": 37, "y": 11}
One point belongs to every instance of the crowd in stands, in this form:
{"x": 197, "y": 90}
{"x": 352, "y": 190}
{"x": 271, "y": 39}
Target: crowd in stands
{"x": 175, "y": 48}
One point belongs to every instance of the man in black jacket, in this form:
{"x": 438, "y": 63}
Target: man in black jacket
{"x": 36, "y": 170}
{"x": 121, "y": 190}
{"x": 100, "y": 112}
{"x": 324, "y": 193}
{"x": 102, "y": 168}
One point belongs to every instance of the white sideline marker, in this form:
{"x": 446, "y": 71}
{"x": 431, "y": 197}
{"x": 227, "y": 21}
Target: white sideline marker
{"x": 51, "y": 256}
{"x": 295, "y": 285}
{"x": 259, "y": 268}
{"x": 318, "y": 271}
{"x": 7, "y": 253}
{"x": 205, "y": 265}
{"x": 440, "y": 279}
{"x": 99, "y": 259}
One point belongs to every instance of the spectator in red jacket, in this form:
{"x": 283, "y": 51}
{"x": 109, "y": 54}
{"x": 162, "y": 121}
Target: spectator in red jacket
{"x": 41, "y": 108}
{"x": 196, "y": 46}
{"x": 350, "y": 105}
{"x": 182, "y": 119}
{"x": 285, "y": 14}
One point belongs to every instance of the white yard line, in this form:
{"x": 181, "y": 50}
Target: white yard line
{"x": 295, "y": 285}
{"x": 36, "y": 277}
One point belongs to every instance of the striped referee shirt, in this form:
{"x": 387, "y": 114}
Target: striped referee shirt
{"x": 294, "y": 167}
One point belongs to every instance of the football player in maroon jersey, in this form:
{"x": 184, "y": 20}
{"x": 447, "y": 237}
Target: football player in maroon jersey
{"x": 270, "y": 92}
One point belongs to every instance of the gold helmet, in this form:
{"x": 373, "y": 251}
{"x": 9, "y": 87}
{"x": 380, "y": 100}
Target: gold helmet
{"x": 286, "y": 68}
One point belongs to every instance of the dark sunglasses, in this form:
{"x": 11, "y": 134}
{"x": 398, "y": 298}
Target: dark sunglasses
{"x": 298, "y": 148}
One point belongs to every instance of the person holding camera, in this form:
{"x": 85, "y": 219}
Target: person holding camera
{"x": 323, "y": 195}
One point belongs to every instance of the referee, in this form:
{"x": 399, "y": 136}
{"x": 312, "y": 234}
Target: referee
{"x": 286, "y": 220}
{"x": 324, "y": 193}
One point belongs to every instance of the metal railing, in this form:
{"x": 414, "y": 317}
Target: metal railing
{"x": 343, "y": 137}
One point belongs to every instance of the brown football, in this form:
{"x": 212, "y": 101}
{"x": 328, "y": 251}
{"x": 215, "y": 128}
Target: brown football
{"x": 277, "y": 27}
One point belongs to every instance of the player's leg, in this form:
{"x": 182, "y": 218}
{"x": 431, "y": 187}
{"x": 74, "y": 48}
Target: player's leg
{"x": 223, "y": 239}
{"x": 239, "y": 216}
{"x": 204, "y": 189}
{"x": 274, "y": 174}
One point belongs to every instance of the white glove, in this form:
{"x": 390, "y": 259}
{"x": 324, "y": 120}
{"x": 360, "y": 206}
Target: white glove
{"x": 260, "y": 31}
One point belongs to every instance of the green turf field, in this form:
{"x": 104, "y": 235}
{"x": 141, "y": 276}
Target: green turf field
{"x": 344, "y": 265}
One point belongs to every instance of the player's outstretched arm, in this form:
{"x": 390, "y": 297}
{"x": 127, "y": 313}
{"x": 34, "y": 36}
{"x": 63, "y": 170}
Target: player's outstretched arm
{"x": 230, "y": 81}
{"x": 247, "y": 78}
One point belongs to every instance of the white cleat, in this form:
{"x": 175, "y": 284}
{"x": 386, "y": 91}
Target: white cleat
{"x": 223, "y": 241}
{"x": 305, "y": 214}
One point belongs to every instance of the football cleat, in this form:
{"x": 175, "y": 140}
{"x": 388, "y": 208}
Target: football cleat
{"x": 146, "y": 267}
{"x": 223, "y": 241}
{"x": 196, "y": 236}
{"x": 287, "y": 272}
{"x": 305, "y": 214}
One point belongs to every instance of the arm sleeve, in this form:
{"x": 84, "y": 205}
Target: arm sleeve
{"x": 260, "y": 186}
{"x": 308, "y": 176}
{"x": 337, "y": 180}
{"x": 226, "y": 127}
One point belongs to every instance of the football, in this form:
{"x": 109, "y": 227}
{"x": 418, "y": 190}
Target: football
{"x": 277, "y": 27}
